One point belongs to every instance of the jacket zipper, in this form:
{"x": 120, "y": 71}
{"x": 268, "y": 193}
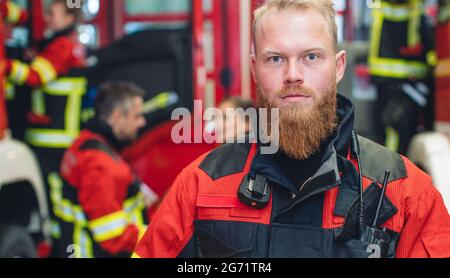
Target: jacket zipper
{"x": 305, "y": 183}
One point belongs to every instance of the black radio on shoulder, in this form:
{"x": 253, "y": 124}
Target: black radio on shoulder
{"x": 254, "y": 192}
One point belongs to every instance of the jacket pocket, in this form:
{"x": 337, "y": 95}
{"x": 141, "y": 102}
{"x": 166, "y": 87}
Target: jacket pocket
{"x": 224, "y": 239}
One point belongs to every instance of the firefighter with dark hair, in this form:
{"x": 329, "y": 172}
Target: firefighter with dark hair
{"x": 325, "y": 192}
{"x": 401, "y": 61}
{"x": 56, "y": 88}
{"x": 99, "y": 202}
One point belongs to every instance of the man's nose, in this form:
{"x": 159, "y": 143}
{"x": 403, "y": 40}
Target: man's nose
{"x": 294, "y": 73}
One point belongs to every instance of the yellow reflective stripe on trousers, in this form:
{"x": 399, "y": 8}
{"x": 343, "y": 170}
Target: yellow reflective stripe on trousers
{"x": 19, "y": 72}
{"x": 73, "y": 105}
{"x": 45, "y": 69}
{"x": 50, "y": 138}
{"x": 13, "y": 15}
{"x": 109, "y": 226}
{"x": 83, "y": 243}
{"x": 71, "y": 213}
{"x": 64, "y": 208}
{"x": 375, "y": 33}
{"x": 414, "y": 37}
{"x": 37, "y": 102}
{"x": 397, "y": 68}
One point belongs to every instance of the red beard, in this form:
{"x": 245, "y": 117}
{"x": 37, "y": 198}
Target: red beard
{"x": 302, "y": 132}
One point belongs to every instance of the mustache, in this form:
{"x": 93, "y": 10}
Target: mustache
{"x": 296, "y": 90}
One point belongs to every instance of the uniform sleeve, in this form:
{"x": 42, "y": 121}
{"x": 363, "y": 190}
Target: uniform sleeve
{"x": 54, "y": 61}
{"x": 172, "y": 227}
{"x": 13, "y": 13}
{"x": 426, "y": 233}
{"x": 102, "y": 203}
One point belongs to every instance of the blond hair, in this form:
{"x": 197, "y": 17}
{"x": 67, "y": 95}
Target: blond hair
{"x": 325, "y": 7}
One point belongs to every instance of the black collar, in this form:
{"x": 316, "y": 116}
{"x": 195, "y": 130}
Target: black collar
{"x": 104, "y": 130}
{"x": 42, "y": 44}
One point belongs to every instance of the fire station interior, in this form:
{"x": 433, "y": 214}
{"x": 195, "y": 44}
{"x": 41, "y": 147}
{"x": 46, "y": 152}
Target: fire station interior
{"x": 179, "y": 51}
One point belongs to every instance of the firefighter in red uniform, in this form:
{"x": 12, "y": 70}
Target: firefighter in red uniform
{"x": 12, "y": 14}
{"x": 99, "y": 202}
{"x": 56, "y": 88}
{"x": 57, "y": 55}
{"x": 304, "y": 200}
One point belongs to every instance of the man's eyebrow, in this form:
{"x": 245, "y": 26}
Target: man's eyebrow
{"x": 271, "y": 52}
{"x": 276, "y": 52}
{"x": 319, "y": 48}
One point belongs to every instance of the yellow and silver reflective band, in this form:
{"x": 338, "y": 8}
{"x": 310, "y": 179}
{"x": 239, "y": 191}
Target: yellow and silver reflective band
{"x": 392, "y": 139}
{"x": 375, "y": 33}
{"x": 443, "y": 68}
{"x": 19, "y": 72}
{"x": 10, "y": 90}
{"x": 71, "y": 87}
{"x": 14, "y": 10}
{"x": 65, "y": 86}
{"x": 135, "y": 203}
{"x": 160, "y": 101}
{"x": 414, "y": 37}
{"x": 37, "y": 102}
{"x": 64, "y": 208}
{"x": 444, "y": 13}
{"x": 395, "y": 12}
{"x": 134, "y": 209}
{"x": 83, "y": 243}
{"x": 109, "y": 226}
{"x": 73, "y": 105}
{"x": 50, "y": 138}
{"x": 44, "y": 69}
{"x": 74, "y": 88}
{"x": 396, "y": 68}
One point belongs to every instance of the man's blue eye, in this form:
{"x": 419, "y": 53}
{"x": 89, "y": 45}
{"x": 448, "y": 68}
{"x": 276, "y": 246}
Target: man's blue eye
{"x": 276, "y": 59}
{"x": 312, "y": 57}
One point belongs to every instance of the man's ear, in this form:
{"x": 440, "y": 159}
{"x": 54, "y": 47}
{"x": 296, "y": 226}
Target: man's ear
{"x": 253, "y": 62}
{"x": 341, "y": 64}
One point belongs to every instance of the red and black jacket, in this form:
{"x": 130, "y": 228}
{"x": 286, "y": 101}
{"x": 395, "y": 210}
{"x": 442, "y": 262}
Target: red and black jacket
{"x": 202, "y": 215}
{"x": 101, "y": 191}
